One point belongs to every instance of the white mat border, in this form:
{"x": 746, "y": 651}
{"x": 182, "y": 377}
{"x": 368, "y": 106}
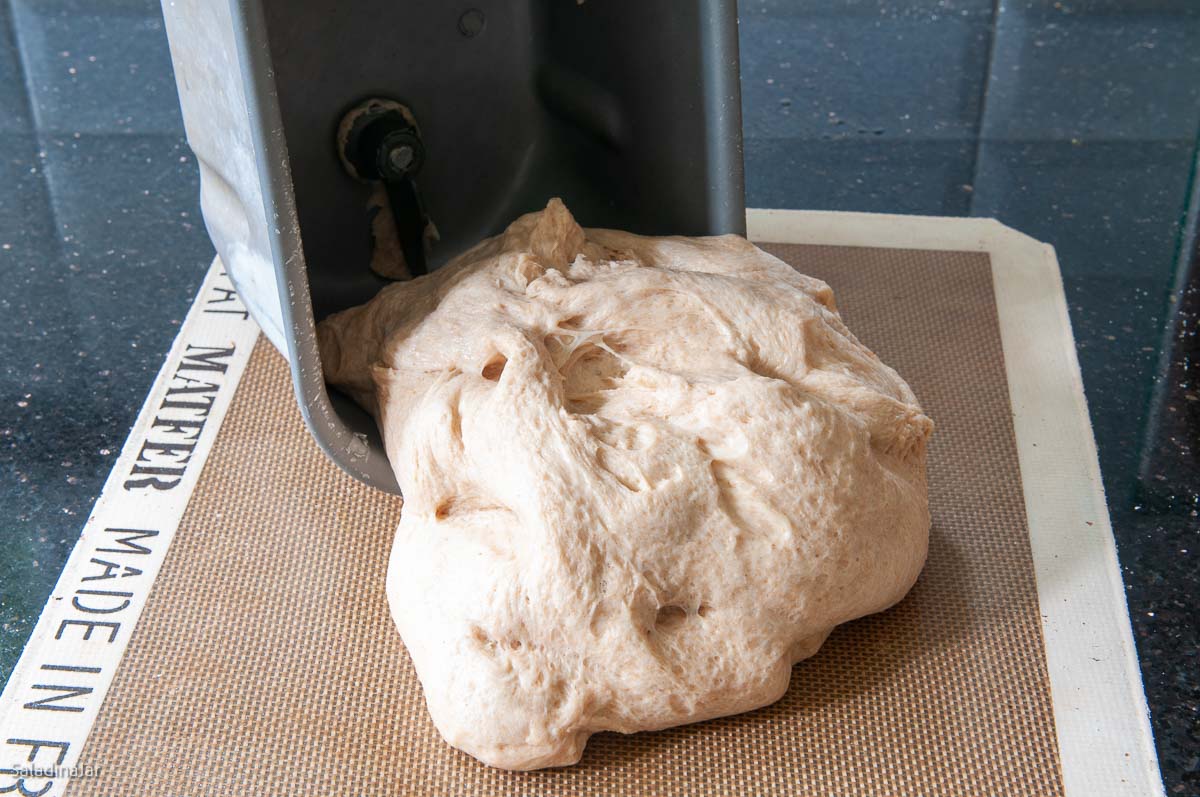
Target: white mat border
{"x": 50, "y": 740}
{"x": 1103, "y": 724}
{"x": 1101, "y": 717}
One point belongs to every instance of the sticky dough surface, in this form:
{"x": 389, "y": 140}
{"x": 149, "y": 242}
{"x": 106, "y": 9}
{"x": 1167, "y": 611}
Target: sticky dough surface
{"x": 642, "y": 478}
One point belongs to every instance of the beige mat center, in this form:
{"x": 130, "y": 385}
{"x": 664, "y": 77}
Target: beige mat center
{"x": 266, "y": 663}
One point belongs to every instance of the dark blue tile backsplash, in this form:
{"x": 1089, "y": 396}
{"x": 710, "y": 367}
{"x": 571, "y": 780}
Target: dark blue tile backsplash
{"x": 14, "y": 101}
{"x": 95, "y": 66}
{"x": 1126, "y": 74}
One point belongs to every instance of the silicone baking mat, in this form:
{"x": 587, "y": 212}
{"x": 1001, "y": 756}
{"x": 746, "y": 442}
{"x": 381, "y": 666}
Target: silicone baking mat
{"x": 265, "y": 661}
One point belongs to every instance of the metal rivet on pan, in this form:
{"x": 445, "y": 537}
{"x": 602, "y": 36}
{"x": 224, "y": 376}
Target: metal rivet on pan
{"x": 472, "y": 23}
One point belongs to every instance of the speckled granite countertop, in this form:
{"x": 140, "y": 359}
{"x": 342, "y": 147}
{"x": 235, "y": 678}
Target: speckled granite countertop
{"x": 1074, "y": 122}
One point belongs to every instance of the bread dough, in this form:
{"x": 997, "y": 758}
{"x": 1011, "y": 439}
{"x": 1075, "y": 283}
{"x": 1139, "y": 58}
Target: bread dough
{"x": 642, "y": 478}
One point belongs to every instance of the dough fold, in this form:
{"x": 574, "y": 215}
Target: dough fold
{"x": 642, "y": 478}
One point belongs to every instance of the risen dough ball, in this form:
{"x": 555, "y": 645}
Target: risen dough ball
{"x": 642, "y": 478}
